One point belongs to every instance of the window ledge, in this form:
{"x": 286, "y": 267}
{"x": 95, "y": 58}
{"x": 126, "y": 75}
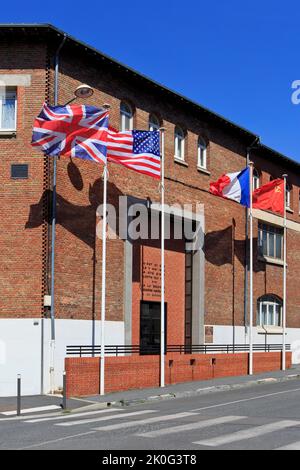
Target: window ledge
{"x": 269, "y": 260}
{"x": 7, "y": 133}
{"x": 203, "y": 170}
{"x": 270, "y": 330}
{"x": 288, "y": 209}
{"x": 180, "y": 162}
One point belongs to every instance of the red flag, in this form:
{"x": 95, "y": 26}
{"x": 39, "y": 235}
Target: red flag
{"x": 270, "y": 197}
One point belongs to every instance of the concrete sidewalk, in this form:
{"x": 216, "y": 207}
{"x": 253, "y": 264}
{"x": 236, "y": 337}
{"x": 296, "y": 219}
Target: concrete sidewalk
{"x": 188, "y": 389}
{"x": 132, "y": 397}
{"x": 45, "y": 403}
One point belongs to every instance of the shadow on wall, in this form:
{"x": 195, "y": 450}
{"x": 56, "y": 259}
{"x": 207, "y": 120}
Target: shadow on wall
{"x": 78, "y": 220}
{"x": 221, "y": 245}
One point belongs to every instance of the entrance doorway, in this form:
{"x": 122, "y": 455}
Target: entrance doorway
{"x": 150, "y": 327}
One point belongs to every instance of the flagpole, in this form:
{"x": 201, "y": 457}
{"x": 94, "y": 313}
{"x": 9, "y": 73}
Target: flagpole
{"x": 53, "y": 231}
{"x": 284, "y": 279}
{"x": 103, "y": 291}
{"x": 162, "y": 316}
{"x": 251, "y": 275}
{"x": 103, "y": 287}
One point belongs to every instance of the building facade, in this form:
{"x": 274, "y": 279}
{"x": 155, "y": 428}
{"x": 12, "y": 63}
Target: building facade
{"x": 206, "y": 300}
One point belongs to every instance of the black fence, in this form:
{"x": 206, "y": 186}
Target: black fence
{"x": 120, "y": 350}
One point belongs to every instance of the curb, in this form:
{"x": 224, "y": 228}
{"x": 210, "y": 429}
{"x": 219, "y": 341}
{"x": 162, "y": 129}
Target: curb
{"x": 187, "y": 394}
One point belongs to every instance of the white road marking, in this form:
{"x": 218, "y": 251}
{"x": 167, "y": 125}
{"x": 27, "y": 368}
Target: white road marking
{"x": 293, "y": 446}
{"x": 32, "y": 410}
{"x": 189, "y": 427}
{"x": 105, "y": 418}
{"x": 56, "y": 440}
{"x": 22, "y": 418}
{"x": 157, "y": 419}
{"x": 246, "y": 399}
{"x": 248, "y": 433}
{"x": 75, "y": 415}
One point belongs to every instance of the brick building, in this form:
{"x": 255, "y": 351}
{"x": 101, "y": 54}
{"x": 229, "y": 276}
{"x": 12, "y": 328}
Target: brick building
{"x": 205, "y": 290}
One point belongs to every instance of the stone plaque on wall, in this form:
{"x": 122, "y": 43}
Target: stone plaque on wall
{"x": 209, "y": 334}
{"x": 151, "y": 279}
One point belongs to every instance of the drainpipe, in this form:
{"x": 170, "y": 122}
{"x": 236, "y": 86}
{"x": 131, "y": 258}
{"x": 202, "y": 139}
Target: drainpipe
{"x": 255, "y": 144}
{"x": 53, "y": 231}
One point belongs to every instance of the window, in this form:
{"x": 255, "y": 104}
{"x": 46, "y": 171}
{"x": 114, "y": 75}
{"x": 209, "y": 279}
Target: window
{"x": 126, "y": 117}
{"x": 179, "y": 143}
{"x": 288, "y": 196}
{"x": 202, "y": 147}
{"x": 8, "y": 109}
{"x": 154, "y": 123}
{"x": 19, "y": 171}
{"x": 269, "y": 310}
{"x": 256, "y": 181}
{"x": 270, "y": 241}
{"x": 150, "y": 327}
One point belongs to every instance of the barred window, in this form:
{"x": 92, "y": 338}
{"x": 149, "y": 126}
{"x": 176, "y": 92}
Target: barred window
{"x": 269, "y": 310}
{"x": 270, "y": 241}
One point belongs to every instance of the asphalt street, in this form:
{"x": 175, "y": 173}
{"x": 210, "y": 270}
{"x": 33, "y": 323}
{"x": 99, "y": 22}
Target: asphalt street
{"x": 266, "y": 417}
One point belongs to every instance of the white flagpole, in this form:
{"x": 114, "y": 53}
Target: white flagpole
{"x": 251, "y": 275}
{"x": 284, "y": 280}
{"x": 162, "y": 316}
{"x": 103, "y": 292}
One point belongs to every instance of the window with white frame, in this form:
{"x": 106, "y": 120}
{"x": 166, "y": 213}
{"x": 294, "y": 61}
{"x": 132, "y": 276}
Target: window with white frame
{"x": 202, "y": 153}
{"x": 8, "y": 109}
{"x": 179, "y": 143}
{"x": 126, "y": 117}
{"x": 269, "y": 310}
{"x": 288, "y": 196}
{"x": 270, "y": 241}
{"x": 154, "y": 123}
{"x": 256, "y": 180}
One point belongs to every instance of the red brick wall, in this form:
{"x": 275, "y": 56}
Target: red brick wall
{"x": 146, "y": 286}
{"x": 78, "y": 260}
{"x": 133, "y": 372}
{"x": 22, "y": 243}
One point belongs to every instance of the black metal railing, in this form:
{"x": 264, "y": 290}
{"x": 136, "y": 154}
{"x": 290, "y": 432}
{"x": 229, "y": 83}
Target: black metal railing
{"x": 120, "y": 350}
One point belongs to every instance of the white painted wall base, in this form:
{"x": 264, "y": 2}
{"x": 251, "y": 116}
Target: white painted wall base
{"x": 238, "y": 335}
{"x": 25, "y": 350}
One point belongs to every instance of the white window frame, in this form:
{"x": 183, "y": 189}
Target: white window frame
{"x": 7, "y": 94}
{"x": 278, "y": 232}
{"x": 179, "y": 138}
{"x": 288, "y": 198}
{"x": 270, "y": 302}
{"x": 256, "y": 179}
{"x": 126, "y": 114}
{"x": 202, "y": 153}
{"x": 154, "y": 124}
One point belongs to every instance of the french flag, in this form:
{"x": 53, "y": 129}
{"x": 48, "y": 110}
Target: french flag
{"x": 235, "y": 186}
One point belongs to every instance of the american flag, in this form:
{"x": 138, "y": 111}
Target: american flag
{"x": 72, "y": 131}
{"x": 137, "y": 150}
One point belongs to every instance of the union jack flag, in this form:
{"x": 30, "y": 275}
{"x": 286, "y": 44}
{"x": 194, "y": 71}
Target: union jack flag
{"x": 137, "y": 150}
{"x": 72, "y": 131}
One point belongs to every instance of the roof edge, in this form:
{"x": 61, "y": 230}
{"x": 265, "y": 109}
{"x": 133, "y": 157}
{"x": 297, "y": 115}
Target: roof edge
{"x": 187, "y": 100}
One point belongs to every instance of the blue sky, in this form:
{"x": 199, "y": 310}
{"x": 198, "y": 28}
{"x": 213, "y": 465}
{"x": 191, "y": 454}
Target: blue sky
{"x": 237, "y": 58}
